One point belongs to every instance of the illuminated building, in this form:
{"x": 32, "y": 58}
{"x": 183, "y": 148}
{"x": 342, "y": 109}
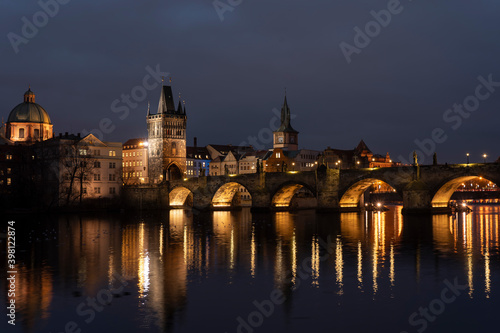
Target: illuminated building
{"x": 135, "y": 161}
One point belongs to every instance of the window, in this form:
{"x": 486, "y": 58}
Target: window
{"x": 112, "y": 177}
{"x": 112, "y": 165}
{"x": 9, "y": 170}
{"x": 8, "y": 157}
{"x": 97, "y": 190}
{"x": 133, "y": 153}
{"x": 97, "y": 164}
{"x": 9, "y": 181}
{"x": 82, "y": 151}
{"x": 97, "y": 152}
{"x": 174, "y": 148}
{"x": 36, "y": 133}
{"x": 84, "y": 190}
{"x": 112, "y": 190}
{"x": 278, "y": 155}
{"x": 97, "y": 176}
{"x": 21, "y": 133}
{"x": 112, "y": 153}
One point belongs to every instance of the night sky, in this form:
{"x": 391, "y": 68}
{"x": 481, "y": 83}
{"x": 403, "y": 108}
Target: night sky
{"x": 233, "y": 72}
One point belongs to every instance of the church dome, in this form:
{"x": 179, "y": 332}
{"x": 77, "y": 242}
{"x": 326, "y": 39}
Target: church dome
{"x": 29, "y": 111}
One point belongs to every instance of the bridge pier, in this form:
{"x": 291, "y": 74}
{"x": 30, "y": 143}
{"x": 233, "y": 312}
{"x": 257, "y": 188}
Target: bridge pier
{"x": 327, "y": 189}
{"x": 416, "y": 198}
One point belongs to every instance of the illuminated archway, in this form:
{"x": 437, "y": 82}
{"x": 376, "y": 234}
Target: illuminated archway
{"x": 283, "y": 198}
{"x": 181, "y": 197}
{"x": 444, "y": 193}
{"x": 231, "y": 195}
{"x": 351, "y": 197}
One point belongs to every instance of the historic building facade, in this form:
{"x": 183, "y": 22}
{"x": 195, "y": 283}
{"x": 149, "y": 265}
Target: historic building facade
{"x": 167, "y": 139}
{"x": 135, "y": 161}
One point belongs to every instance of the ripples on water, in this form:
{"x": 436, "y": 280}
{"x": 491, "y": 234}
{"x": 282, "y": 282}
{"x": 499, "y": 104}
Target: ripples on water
{"x": 218, "y": 272}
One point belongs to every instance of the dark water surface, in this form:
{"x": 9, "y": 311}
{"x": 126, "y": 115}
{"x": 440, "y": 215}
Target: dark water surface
{"x": 244, "y": 272}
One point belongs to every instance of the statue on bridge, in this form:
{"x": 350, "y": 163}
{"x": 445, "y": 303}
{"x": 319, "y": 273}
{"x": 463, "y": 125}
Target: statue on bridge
{"x": 435, "y": 159}
{"x": 415, "y": 158}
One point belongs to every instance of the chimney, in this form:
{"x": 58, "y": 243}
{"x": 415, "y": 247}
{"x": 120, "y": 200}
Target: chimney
{"x": 66, "y": 134}
{"x": 195, "y": 142}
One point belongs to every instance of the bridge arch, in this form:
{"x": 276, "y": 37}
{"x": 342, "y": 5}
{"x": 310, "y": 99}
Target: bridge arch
{"x": 442, "y": 195}
{"x": 282, "y": 198}
{"x": 230, "y": 195}
{"x": 180, "y": 197}
{"x": 352, "y": 196}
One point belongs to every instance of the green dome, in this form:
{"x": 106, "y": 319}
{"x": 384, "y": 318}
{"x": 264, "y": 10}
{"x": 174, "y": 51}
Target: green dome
{"x": 29, "y": 111}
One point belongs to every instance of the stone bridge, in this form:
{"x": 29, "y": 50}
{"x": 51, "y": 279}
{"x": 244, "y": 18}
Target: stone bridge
{"x": 421, "y": 188}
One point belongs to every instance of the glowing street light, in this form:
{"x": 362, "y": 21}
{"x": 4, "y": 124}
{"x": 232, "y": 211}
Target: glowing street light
{"x": 484, "y": 157}
{"x": 467, "y": 158}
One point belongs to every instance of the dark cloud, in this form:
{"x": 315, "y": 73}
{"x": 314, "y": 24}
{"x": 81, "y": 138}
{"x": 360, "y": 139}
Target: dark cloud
{"x": 233, "y": 73}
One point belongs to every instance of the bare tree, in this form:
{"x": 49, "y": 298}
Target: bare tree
{"x": 78, "y": 166}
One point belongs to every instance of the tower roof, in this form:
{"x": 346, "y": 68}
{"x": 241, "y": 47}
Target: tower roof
{"x": 286, "y": 126}
{"x": 362, "y": 147}
{"x": 166, "y": 104}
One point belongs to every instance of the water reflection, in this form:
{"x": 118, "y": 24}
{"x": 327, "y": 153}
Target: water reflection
{"x": 167, "y": 258}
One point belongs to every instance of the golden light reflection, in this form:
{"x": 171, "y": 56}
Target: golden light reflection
{"x": 470, "y": 235}
{"x": 315, "y": 261}
{"x": 487, "y": 274}
{"x": 160, "y": 245}
{"x": 232, "y": 252}
{"x": 253, "y": 253}
{"x": 378, "y": 247}
{"x": 34, "y": 294}
{"x": 339, "y": 266}
{"x": 279, "y": 277}
{"x": 391, "y": 269}
{"x": 294, "y": 258}
{"x": 360, "y": 266}
{"x": 143, "y": 269}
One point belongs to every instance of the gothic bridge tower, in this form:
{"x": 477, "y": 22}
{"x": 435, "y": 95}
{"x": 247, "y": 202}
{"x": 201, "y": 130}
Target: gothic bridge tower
{"x": 167, "y": 139}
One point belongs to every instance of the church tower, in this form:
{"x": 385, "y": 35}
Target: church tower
{"x": 285, "y": 137}
{"x": 167, "y": 139}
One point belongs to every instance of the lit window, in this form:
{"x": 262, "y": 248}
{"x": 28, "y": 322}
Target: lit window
{"x": 112, "y": 153}
{"x": 9, "y": 181}
{"x": 8, "y": 157}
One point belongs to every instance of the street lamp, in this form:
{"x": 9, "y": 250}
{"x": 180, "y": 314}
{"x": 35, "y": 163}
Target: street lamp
{"x": 467, "y": 158}
{"x": 484, "y": 157}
